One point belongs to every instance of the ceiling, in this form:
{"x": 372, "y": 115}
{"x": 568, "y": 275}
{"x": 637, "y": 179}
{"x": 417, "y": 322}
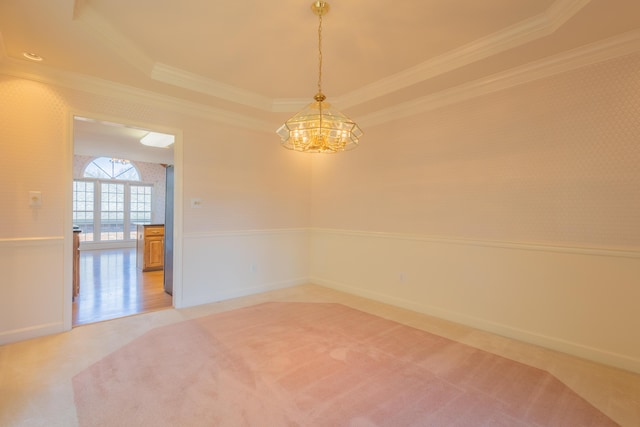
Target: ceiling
{"x": 257, "y": 61}
{"x": 99, "y": 138}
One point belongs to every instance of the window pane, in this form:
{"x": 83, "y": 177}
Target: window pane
{"x": 83, "y": 209}
{"x": 112, "y": 212}
{"x": 110, "y": 168}
{"x": 140, "y": 206}
{"x": 112, "y": 209}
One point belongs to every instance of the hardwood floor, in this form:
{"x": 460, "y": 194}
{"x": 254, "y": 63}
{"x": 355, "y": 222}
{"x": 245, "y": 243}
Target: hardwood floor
{"x": 111, "y": 286}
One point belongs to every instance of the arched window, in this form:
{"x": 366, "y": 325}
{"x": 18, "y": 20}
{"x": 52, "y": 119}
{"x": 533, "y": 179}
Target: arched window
{"x": 107, "y": 205}
{"x": 111, "y": 168}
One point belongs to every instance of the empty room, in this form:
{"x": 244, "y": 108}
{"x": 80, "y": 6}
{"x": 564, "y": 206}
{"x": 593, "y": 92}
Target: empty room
{"x": 418, "y": 213}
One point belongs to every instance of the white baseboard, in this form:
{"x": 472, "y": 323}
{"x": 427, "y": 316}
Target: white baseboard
{"x": 266, "y": 287}
{"x": 574, "y": 349}
{"x": 247, "y": 291}
{"x": 31, "y": 332}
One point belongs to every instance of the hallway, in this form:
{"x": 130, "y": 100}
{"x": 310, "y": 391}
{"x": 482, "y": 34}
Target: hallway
{"x": 111, "y": 286}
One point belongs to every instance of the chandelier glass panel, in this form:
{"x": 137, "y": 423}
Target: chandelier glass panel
{"x": 318, "y": 128}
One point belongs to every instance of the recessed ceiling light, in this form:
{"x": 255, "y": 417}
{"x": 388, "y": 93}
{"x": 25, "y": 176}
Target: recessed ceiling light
{"x": 32, "y": 56}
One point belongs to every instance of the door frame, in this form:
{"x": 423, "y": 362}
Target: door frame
{"x": 177, "y": 206}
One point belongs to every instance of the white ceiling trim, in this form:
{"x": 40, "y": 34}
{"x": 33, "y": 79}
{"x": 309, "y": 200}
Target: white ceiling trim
{"x": 184, "y": 79}
{"x": 614, "y": 47}
{"x": 112, "y": 38}
{"x": 288, "y": 105}
{"x": 43, "y": 74}
{"x": 528, "y": 30}
{"x": 611, "y": 48}
{"x": 561, "y": 11}
{"x": 516, "y": 35}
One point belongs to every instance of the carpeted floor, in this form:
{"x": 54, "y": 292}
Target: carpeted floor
{"x": 316, "y": 364}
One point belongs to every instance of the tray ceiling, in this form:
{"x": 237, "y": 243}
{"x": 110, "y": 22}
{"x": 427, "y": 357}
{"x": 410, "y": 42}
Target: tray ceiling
{"x": 257, "y": 61}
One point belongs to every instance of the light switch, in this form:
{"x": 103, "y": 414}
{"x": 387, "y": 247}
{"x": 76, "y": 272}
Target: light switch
{"x": 35, "y": 198}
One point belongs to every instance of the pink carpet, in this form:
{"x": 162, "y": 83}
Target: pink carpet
{"x": 316, "y": 364}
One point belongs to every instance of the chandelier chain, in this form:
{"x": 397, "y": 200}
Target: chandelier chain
{"x": 320, "y": 53}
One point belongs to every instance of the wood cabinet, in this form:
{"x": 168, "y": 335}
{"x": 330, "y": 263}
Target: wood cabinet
{"x": 76, "y": 263}
{"x": 150, "y": 247}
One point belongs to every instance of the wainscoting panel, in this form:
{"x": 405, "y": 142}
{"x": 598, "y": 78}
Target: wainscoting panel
{"x": 576, "y": 300}
{"x": 223, "y": 265}
{"x": 31, "y": 281}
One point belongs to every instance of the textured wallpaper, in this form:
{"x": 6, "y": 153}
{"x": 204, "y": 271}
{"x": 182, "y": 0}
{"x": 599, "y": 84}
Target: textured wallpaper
{"x": 244, "y": 179}
{"x": 33, "y": 119}
{"x": 555, "y": 161}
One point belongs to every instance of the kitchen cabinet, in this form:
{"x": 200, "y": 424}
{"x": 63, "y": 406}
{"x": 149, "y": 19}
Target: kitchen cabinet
{"x": 150, "y": 247}
{"x": 76, "y": 262}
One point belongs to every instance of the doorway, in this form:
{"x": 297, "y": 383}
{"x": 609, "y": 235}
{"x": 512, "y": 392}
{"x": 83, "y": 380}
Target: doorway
{"x": 119, "y": 188}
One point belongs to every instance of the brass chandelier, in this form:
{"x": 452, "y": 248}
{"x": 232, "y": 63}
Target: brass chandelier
{"x": 318, "y": 128}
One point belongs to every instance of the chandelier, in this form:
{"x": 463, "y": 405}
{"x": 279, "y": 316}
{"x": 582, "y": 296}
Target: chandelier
{"x": 318, "y": 128}
{"x": 115, "y": 160}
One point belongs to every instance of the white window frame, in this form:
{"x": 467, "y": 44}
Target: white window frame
{"x": 127, "y": 240}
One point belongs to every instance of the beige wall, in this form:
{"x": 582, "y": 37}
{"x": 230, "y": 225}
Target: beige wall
{"x": 516, "y": 212}
{"x": 554, "y": 161}
{"x": 251, "y": 189}
{"x": 33, "y": 141}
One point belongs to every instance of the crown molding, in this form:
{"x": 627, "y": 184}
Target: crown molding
{"x": 516, "y": 35}
{"x": 43, "y": 74}
{"x": 607, "y": 49}
{"x": 186, "y": 80}
{"x": 111, "y": 37}
{"x": 611, "y": 48}
{"x": 525, "y": 31}
{"x": 561, "y": 11}
{"x": 289, "y": 105}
